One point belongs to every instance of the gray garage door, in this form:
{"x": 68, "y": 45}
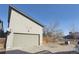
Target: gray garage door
{"x": 25, "y": 40}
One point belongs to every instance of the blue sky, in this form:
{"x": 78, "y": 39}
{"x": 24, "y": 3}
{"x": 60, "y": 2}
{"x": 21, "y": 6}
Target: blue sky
{"x": 65, "y": 15}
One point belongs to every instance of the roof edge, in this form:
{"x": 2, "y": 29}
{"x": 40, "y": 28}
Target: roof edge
{"x": 15, "y": 9}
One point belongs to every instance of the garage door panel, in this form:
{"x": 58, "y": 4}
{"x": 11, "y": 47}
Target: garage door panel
{"x": 24, "y": 41}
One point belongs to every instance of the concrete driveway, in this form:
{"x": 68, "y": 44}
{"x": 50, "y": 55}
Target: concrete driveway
{"x": 40, "y": 52}
{"x": 16, "y": 52}
{"x": 51, "y": 49}
{"x": 67, "y": 52}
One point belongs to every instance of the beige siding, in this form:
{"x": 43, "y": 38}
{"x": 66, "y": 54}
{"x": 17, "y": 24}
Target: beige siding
{"x": 25, "y": 41}
{"x": 21, "y": 24}
{"x": 9, "y": 41}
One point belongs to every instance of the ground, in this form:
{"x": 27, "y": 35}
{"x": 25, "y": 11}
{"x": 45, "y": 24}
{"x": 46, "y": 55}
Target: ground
{"x": 50, "y": 48}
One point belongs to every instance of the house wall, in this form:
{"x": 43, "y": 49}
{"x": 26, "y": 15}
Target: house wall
{"x": 9, "y": 43}
{"x": 21, "y": 24}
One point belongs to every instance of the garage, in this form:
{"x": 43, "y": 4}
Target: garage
{"x": 26, "y": 40}
{"x": 23, "y": 31}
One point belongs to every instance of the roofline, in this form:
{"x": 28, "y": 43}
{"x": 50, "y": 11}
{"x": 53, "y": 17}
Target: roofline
{"x": 15, "y": 9}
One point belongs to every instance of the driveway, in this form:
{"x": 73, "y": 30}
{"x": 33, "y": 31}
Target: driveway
{"x": 67, "y": 52}
{"x": 52, "y": 49}
{"x": 40, "y": 52}
{"x": 14, "y": 52}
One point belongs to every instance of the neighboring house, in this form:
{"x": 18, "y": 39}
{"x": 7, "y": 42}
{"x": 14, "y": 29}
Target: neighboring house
{"x": 23, "y": 31}
{"x": 70, "y": 36}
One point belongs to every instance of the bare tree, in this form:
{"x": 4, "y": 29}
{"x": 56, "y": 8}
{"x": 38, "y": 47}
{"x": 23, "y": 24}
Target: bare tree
{"x": 73, "y": 32}
{"x": 53, "y": 32}
{"x": 73, "y": 28}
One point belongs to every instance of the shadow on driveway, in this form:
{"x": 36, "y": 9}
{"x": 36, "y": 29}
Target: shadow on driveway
{"x": 23, "y": 52}
{"x": 44, "y": 52}
{"x": 14, "y": 52}
{"x": 67, "y": 52}
{"x": 40, "y": 52}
